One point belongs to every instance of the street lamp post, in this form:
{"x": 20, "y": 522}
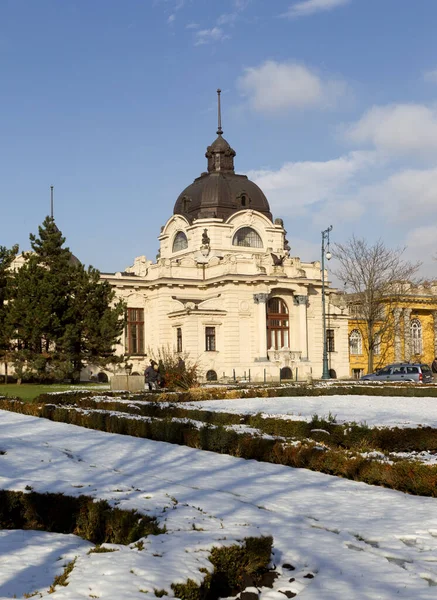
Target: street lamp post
{"x": 325, "y": 252}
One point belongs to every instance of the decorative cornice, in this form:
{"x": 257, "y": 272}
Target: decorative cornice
{"x": 198, "y": 312}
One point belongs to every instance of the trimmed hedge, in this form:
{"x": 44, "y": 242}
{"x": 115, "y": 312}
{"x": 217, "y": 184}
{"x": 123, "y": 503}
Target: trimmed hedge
{"x": 349, "y": 436}
{"x": 254, "y": 391}
{"x": 407, "y": 476}
{"x": 92, "y": 520}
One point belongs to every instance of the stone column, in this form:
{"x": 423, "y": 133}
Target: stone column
{"x": 302, "y": 302}
{"x": 261, "y": 300}
{"x": 397, "y": 330}
{"x": 407, "y": 334}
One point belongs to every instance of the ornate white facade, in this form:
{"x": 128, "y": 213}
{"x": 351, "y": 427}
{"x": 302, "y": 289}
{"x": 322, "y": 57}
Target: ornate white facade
{"x": 225, "y": 290}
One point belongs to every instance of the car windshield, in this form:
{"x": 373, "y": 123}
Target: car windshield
{"x": 425, "y": 368}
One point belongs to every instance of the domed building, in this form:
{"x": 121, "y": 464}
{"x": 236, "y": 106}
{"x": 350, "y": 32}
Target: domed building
{"x": 225, "y": 290}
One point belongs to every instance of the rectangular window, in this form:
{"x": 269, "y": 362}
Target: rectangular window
{"x": 210, "y": 339}
{"x": 377, "y": 345}
{"x": 179, "y": 339}
{"x": 135, "y": 331}
{"x": 330, "y": 343}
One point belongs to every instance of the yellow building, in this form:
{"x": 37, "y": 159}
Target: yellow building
{"x": 410, "y": 330}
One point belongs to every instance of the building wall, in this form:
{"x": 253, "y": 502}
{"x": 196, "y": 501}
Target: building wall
{"x": 417, "y": 303}
{"x": 213, "y": 283}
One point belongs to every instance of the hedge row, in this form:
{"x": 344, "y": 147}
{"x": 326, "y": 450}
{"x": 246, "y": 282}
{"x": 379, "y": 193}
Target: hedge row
{"x": 350, "y": 436}
{"x": 406, "y": 476}
{"x": 95, "y": 521}
{"x": 99, "y": 523}
{"x": 258, "y": 391}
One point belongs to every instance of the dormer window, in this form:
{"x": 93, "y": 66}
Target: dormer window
{"x": 243, "y": 200}
{"x": 248, "y": 237}
{"x": 186, "y": 204}
{"x": 180, "y": 242}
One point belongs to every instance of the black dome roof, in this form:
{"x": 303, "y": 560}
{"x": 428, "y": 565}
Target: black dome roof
{"x": 220, "y": 192}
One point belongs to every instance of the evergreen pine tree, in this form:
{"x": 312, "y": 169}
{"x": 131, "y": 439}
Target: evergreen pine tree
{"x": 6, "y": 258}
{"x": 61, "y": 313}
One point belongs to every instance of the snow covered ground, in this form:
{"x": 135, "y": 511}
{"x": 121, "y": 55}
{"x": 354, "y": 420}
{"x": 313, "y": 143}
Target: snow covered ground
{"x": 373, "y": 410}
{"x": 344, "y": 539}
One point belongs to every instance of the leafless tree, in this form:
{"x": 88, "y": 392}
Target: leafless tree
{"x": 374, "y": 277}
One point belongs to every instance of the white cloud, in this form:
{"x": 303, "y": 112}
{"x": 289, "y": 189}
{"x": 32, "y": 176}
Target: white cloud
{"x": 171, "y": 18}
{"x": 230, "y": 18}
{"x": 275, "y": 87}
{"x": 398, "y": 129}
{"x": 409, "y": 195}
{"x": 430, "y": 76}
{"x": 423, "y": 237}
{"x": 341, "y": 209}
{"x": 240, "y": 5}
{"x": 192, "y": 26}
{"x": 421, "y": 245}
{"x": 359, "y": 193}
{"x": 295, "y": 186}
{"x": 227, "y": 19}
{"x": 309, "y": 7}
{"x": 207, "y": 36}
{"x": 216, "y": 33}
{"x": 305, "y": 249}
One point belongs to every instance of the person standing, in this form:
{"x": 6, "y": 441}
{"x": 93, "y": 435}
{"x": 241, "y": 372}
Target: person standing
{"x": 152, "y": 375}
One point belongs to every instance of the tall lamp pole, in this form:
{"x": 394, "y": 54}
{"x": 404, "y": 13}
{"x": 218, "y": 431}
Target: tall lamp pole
{"x": 325, "y": 252}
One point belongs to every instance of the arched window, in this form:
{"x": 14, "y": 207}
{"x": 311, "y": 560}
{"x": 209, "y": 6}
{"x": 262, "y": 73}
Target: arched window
{"x": 243, "y": 200}
{"x": 248, "y": 237}
{"x": 180, "y": 241}
{"x": 355, "y": 342}
{"x": 286, "y": 373}
{"x": 277, "y": 324}
{"x": 211, "y": 375}
{"x": 416, "y": 337}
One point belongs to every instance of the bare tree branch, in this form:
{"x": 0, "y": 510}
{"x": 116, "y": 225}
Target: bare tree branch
{"x": 375, "y": 278}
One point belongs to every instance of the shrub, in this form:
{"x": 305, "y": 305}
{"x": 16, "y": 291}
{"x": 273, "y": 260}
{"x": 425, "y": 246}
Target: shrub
{"x": 176, "y": 368}
{"x": 232, "y": 566}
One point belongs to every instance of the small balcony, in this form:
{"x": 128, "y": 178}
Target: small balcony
{"x": 284, "y": 356}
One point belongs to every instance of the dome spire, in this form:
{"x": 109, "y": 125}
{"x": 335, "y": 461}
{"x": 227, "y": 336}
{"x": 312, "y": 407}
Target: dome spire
{"x": 220, "y": 155}
{"x": 219, "y": 129}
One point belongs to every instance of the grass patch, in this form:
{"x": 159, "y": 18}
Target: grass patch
{"x": 62, "y": 579}
{"x": 101, "y": 550}
{"x": 30, "y": 391}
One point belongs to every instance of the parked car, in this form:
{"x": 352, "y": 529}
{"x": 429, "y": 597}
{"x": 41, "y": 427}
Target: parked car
{"x": 419, "y": 372}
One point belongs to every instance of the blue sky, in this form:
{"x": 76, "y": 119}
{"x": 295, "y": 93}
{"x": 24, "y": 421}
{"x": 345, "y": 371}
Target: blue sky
{"x": 329, "y": 104}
